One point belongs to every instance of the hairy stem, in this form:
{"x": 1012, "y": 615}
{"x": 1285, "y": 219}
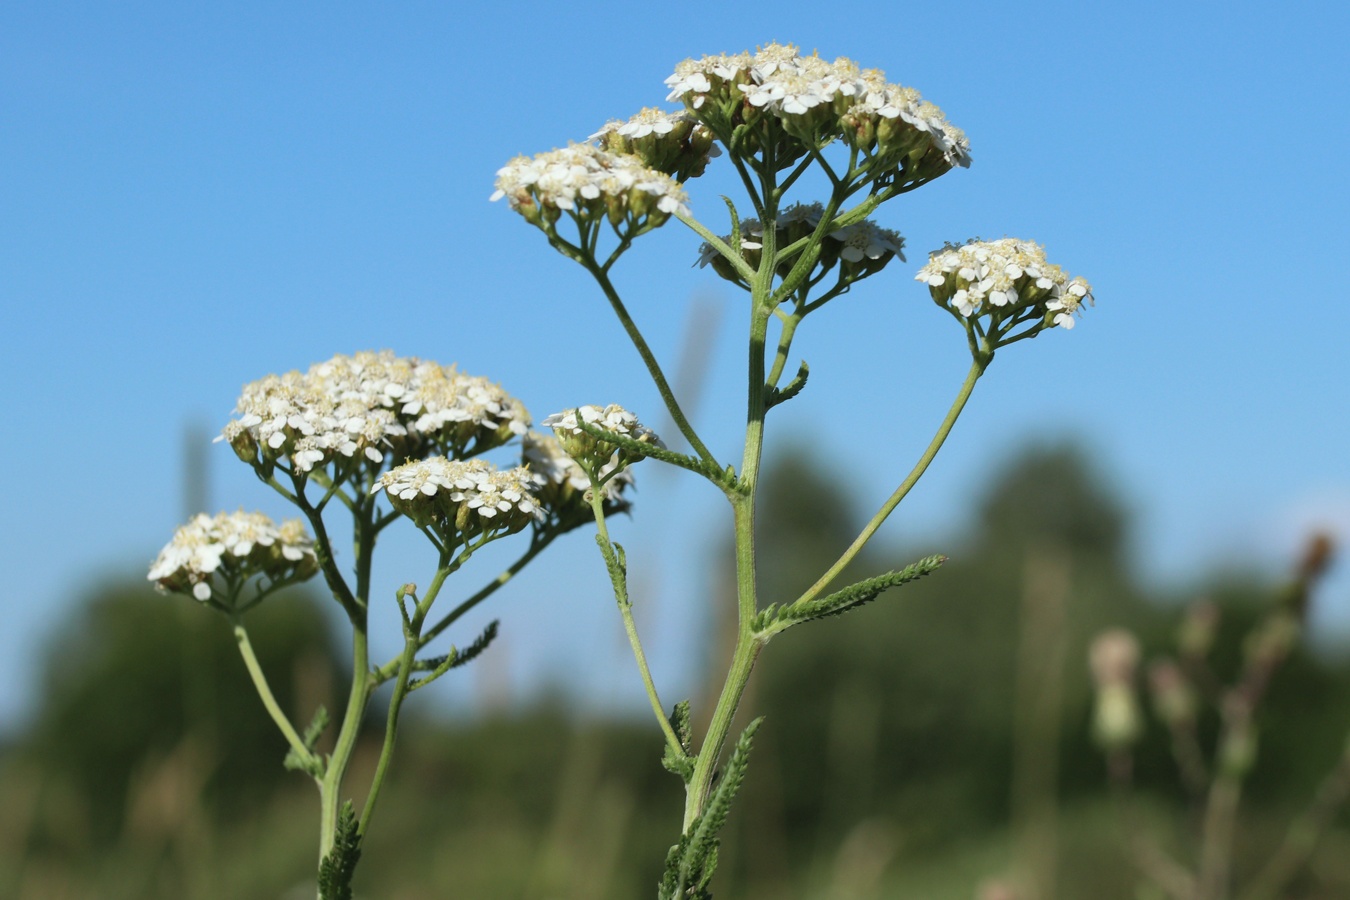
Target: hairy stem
{"x": 629, "y": 626}
{"x": 976, "y": 370}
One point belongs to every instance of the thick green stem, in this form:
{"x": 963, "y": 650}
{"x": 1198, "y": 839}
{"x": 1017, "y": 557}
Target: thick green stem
{"x": 738, "y": 674}
{"x": 330, "y": 787}
{"x": 976, "y": 370}
{"x": 357, "y": 699}
{"x": 265, "y": 692}
{"x": 743, "y": 506}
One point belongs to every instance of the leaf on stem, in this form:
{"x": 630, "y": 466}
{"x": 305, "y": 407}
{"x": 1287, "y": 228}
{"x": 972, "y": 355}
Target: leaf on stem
{"x": 776, "y": 395}
{"x": 616, "y": 563}
{"x": 455, "y": 658}
{"x": 315, "y": 764}
{"x": 681, "y": 764}
{"x": 709, "y": 470}
{"x": 691, "y": 863}
{"x": 774, "y": 618}
{"x": 338, "y": 867}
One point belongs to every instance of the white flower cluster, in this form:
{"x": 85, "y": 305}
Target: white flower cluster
{"x": 369, "y": 405}
{"x": 585, "y": 178}
{"x": 237, "y": 544}
{"x": 602, "y": 456}
{"x": 648, "y": 121}
{"x": 854, "y": 243}
{"x": 1006, "y": 274}
{"x": 811, "y": 95}
{"x": 562, "y": 478}
{"x": 675, "y": 143}
{"x": 867, "y": 240}
{"x": 468, "y": 496}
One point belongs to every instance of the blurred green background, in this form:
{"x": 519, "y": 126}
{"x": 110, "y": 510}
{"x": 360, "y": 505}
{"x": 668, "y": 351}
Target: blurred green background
{"x": 934, "y": 744}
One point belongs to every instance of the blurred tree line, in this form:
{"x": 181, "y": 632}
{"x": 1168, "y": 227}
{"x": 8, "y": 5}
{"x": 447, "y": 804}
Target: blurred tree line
{"x": 932, "y": 742}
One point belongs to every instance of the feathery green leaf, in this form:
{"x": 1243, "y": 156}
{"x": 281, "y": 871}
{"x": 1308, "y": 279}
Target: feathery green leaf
{"x": 774, "y": 618}
{"x": 338, "y": 867}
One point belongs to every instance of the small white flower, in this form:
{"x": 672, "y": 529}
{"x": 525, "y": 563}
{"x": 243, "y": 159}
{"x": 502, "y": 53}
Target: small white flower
{"x": 365, "y": 406}
{"x": 243, "y": 544}
{"x": 602, "y": 455}
{"x": 559, "y": 178}
{"x": 1008, "y": 274}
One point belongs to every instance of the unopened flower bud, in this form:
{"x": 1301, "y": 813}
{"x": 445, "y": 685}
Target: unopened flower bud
{"x": 1116, "y": 722}
{"x": 1113, "y": 657}
{"x": 1174, "y": 698}
{"x": 459, "y": 499}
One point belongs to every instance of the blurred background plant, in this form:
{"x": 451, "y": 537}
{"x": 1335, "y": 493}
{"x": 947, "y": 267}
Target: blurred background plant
{"x": 952, "y": 760}
{"x": 1212, "y": 706}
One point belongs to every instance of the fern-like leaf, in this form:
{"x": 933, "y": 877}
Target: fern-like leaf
{"x": 455, "y": 658}
{"x": 794, "y": 387}
{"x": 338, "y": 867}
{"x": 709, "y": 470}
{"x": 680, "y": 763}
{"x": 692, "y": 862}
{"x": 773, "y": 618}
{"x": 315, "y": 764}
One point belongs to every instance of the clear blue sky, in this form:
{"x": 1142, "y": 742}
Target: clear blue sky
{"x": 194, "y": 195}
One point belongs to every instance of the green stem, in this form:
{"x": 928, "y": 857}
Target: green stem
{"x": 391, "y": 668}
{"x": 331, "y": 574}
{"x": 743, "y": 507}
{"x": 629, "y": 626}
{"x": 649, "y": 359}
{"x": 265, "y": 692}
{"x": 357, "y": 699}
{"x": 1216, "y": 849}
{"x": 976, "y": 370}
{"x": 784, "y": 347}
{"x": 732, "y": 256}
{"x": 738, "y": 673}
{"x": 411, "y": 644}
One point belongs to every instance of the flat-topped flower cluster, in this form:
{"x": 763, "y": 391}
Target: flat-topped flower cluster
{"x": 675, "y": 143}
{"x": 370, "y": 406}
{"x": 817, "y": 101}
{"x": 1003, "y": 277}
{"x": 467, "y": 497}
{"x": 589, "y": 181}
{"x": 601, "y": 457}
{"x": 238, "y": 545}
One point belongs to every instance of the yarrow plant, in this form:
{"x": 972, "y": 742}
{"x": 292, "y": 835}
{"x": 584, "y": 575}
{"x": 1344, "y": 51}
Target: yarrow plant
{"x": 391, "y": 440}
{"x": 774, "y": 116}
